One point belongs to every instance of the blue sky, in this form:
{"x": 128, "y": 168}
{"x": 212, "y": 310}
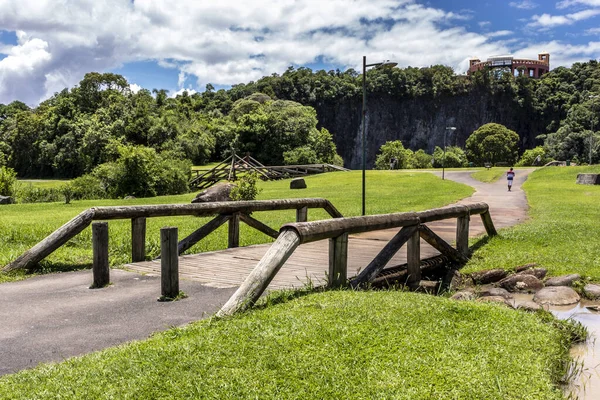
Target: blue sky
{"x": 47, "y": 45}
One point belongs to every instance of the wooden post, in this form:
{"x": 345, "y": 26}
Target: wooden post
{"x": 486, "y": 218}
{"x": 338, "y": 260}
{"x": 302, "y": 214}
{"x": 100, "y": 266}
{"x": 234, "y": 230}
{"x": 413, "y": 258}
{"x": 138, "y": 239}
{"x": 260, "y": 277}
{"x": 169, "y": 263}
{"x": 462, "y": 234}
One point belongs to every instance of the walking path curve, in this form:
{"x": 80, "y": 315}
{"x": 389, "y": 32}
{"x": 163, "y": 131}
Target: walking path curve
{"x": 56, "y": 316}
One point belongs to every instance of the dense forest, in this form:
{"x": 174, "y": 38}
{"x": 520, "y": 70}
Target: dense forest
{"x": 301, "y": 116}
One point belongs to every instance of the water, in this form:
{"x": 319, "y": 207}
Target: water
{"x": 586, "y": 384}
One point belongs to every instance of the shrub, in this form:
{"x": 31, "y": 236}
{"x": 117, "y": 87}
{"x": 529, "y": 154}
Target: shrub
{"x": 141, "y": 172}
{"x": 246, "y": 188}
{"x": 8, "y": 178}
{"x": 422, "y": 159}
{"x": 530, "y": 156}
{"x": 404, "y": 157}
{"x": 455, "y": 157}
{"x": 87, "y": 187}
{"x": 32, "y": 194}
{"x": 300, "y": 155}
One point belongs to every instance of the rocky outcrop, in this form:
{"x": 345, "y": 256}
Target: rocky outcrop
{"x": 565, "y": 280}
{"x": 488, "y": 276}
{"x": 218, "y": 192}
{"x": 521, "y": 283}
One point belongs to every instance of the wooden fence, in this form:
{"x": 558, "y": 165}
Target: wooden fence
{"x": 337, "y": 231}
{"x": 232, "y": 212}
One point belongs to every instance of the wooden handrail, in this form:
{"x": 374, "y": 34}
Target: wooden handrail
{"x": 63, "y": 234}
{"x": 337, "y": 230}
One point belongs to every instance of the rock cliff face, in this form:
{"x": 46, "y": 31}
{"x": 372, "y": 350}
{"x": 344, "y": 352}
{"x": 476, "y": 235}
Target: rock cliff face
{"x": 420, "y": 123}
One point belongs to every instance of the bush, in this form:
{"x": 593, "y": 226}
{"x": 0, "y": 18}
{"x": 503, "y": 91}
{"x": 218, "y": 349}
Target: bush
{"x": 300, "y": 156}
{"x": 422, "y": 159}
{"x": 246, "y": 188}
{"x": 8, "y": 178}
{"x": 141, "y": 172}
{"x": 87, "y": 187}
{"x": 530, "y": 156}
{"x": 404, "y": 157}
{"x": 32, "y": 194}
{"x": 455, "y": 157}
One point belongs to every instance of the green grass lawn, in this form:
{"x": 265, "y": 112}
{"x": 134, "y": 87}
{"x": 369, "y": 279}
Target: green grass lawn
{"x": 489, "y": 175}
{"x": 24, "y": 225}
{"x": 562, "y": 234}
{"x": 331, "y": 345}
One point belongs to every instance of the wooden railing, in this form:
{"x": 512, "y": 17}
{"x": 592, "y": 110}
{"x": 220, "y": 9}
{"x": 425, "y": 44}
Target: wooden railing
{"x": 232, "y": 212}
{"x": 337, "y": 231}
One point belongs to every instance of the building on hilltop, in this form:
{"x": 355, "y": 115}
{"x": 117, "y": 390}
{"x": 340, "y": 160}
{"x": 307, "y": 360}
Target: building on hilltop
{"x": 517, "y": 66}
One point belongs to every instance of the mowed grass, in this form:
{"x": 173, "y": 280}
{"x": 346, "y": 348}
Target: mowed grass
{"x": 563, "y": 232}
{"x": 42, "y": 183}
{"x": 331, "y": 345}
{"x": 24, "y": 225}
{"x": 489, "y": 175}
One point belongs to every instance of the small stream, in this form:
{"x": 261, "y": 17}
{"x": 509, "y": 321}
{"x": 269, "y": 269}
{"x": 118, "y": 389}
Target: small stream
{"x": 586, "y": 385}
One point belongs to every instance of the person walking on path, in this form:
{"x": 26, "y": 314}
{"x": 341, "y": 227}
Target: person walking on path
{"x": 510, "y": 175}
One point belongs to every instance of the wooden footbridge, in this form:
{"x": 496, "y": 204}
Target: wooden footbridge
{"x": 234, "y": 166}
{"x": 335, "y": 251}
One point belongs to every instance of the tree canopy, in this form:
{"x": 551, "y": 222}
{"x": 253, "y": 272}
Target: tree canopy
{"x": 493, "y": 143}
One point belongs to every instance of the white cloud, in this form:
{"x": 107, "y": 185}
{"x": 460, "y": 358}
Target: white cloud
{"x": 228, "y": 41}
{"x": 524, "y": 5}
{"x": 134, "y": 87}
{"x": 190, "y": 92}
{"x": 569, "y": 3}
{"x": 593, "y": 31}
{"x": 499, "y": 33}
{"x": 548, "y": 21}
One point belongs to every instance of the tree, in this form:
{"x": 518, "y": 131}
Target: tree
{"x": 395, "y": 149}
{"x": 455, "y": 157}
{"x": 493, "y": 143}
{"x": 535, "y": 156}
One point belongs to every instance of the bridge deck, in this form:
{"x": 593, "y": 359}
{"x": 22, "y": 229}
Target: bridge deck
{"x": 308, "y": 264}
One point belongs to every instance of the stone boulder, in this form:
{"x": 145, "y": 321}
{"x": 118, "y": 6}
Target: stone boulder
{"x": 588, "y": 179}
{"x": 539, "y": 273}
{"x": 521, "y": 283}
{"x": 297, "y": 183}
{"x": 6, "y": 200}
{"x": 494, "y": 292}
{"x": 556, "y": 296}
{"x": 525, "y": 267}
{"x": 453, "y": 279}
{"x": 218, "y": 192}
{"x": 565, "y": 280}
{"x": 488, "y": 276}
{"x": 464, "y": 295}
{"x": 430, "y": 287}
{"x": 531, "y": 306}
{"x": 592, "y": 291}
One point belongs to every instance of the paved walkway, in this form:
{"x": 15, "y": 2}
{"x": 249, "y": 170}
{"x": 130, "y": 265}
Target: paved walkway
{"x": 53, "y": 317}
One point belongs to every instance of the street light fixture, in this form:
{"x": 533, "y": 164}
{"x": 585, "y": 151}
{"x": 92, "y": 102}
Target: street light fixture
{"x": 385, "y": 64}
{"x": 448, "y": 128}
{"x": 592, "y": 130}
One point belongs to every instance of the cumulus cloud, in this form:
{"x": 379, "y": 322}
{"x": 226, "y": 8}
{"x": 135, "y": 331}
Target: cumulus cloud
{"x": 569, "y": 3}
{"x": 524, "y": 5}
{"x": 225, "y": 42}
{"x": 549, "y": 21}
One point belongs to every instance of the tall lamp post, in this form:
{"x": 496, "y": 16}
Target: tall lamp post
{"x": 385, "y": 64}
{"x": 448, "y": 128}
{"x": 592, "y": 131}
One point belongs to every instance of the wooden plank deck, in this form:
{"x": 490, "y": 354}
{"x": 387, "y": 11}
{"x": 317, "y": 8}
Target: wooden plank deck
{"x": 308, "y": 265}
